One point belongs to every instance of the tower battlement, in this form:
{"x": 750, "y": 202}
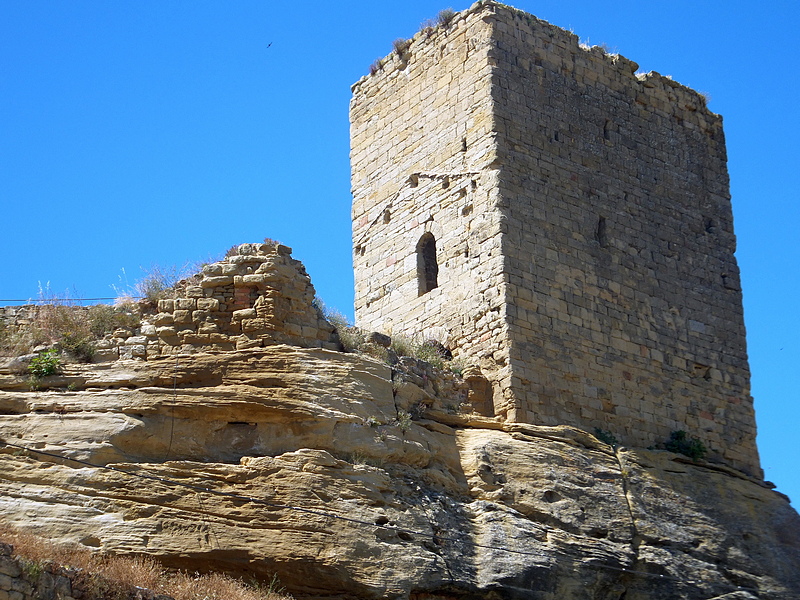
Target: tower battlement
{"x": 558, "y": 220}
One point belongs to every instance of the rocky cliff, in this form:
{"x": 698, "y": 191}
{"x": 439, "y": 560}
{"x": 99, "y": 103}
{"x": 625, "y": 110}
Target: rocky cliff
{"x": 304, "y": 462}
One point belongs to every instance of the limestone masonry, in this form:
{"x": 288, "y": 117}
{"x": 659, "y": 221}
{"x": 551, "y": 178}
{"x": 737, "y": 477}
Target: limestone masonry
{"x": 559, "y": 220}
{"x": 258, "y": 295}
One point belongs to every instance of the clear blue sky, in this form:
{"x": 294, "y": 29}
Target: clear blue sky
{"x": 153, "y": 132}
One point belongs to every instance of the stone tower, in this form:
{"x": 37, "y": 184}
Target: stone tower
{"x": 559, "y": 221}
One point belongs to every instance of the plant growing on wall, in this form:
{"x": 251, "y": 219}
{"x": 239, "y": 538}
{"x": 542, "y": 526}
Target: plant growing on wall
{"x": 401, "y": 46}
{"x": 445, "y": 17}
{"x": 680, "y": 443}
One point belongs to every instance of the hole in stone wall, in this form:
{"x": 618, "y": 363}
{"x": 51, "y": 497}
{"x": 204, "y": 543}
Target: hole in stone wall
{"x": 600, "y": 234}
{"x": 446, "y": 183}
{"x": 360, "y": 250}
{"x": 464, "y": 145}
{"x": 709, "y": 226}
{"x": 414, "y": 180}
{"x": 555, "y": 136}
{"x": 427, "y": 267}
{"x": 606, "y": 126}
{"x": 387, "y": 216}
{"x": 467, "y": 210}
{"x": 700, "y": 370}
{"x": 474, "y": 184}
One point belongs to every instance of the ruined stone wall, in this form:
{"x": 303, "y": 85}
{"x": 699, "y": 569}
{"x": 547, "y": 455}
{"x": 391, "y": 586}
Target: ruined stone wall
{"x": 258, "y": 296}
{"x": 618, "y": 293}
{"x": 422, "y": 146}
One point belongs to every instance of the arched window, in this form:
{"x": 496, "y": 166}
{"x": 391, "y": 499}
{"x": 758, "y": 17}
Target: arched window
{"x": 427, "y": 269}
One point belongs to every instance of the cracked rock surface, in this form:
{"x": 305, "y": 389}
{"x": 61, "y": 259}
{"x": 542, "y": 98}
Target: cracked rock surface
{"x": 298, "y": 462}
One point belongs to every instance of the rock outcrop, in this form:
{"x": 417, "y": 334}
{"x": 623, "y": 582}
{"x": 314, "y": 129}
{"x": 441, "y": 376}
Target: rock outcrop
{"x": 352, "y": 479}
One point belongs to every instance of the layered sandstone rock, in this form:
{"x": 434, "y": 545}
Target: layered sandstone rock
{"x": 341, "y": 494}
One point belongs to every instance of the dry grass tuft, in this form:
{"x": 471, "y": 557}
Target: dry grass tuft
{"x": 114, "y": 576}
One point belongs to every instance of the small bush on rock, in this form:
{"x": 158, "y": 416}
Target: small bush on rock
{"x": 104, "y": 319}
{"x": 47, "y": 363}
{"x": 680, "y": 443}
{"x": 445, "y": 17}
{"x": 351, "y": 337}
{"x": 606, "y": 437}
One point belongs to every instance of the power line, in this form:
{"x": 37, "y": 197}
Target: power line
{"x": 322, "y": 513}
{"x": 51, "y": 300}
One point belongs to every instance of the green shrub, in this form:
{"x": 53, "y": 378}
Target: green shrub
{"x": 404, "y": 420}
{"x": 47, "y": 363}
{"x": 430, "y": 354}
{"x": 606, "y": 437}
{"x": 457, "y": 367}
{"x": 431, "y": 351}
{"x": 78, "y": 345}
{"x": 32, "y": 569}
{"x": 680, "y": 443}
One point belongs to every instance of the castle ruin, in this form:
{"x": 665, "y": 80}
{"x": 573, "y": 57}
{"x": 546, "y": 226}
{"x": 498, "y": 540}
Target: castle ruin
{"x": 559, "y": 220}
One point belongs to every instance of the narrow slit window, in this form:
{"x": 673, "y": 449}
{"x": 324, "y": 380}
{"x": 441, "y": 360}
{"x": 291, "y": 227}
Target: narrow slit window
{"x": 427, "y": 267}
{"x": 600, "y": 233}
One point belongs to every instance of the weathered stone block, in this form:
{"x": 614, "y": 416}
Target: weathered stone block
{"x": 208, "y": 327}
{"x": 244, "y": 342}
{"x": 253, "y": 278}
{"x": 210, "y": 282}
{"x": 210, "y": 304}
{"x": 250, "y": 325}
{"x": 185, "y": 303}
{"x": 160, "y": 319}
{"x": 182, "y": 316}
{"x": 245, "y": 313}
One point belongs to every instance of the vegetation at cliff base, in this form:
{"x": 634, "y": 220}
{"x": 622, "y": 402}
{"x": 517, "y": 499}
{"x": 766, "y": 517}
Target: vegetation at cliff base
{"x": 105, "y": 576}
